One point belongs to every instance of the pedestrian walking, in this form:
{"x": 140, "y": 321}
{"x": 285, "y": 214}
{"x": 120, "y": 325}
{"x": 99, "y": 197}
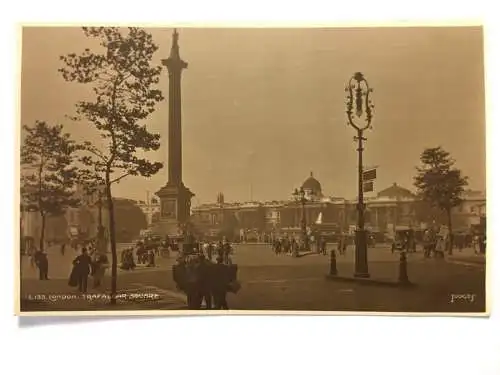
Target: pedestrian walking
{"x": 476, "y": 244}
{"x": 220, "y": 249}
{"x": 151, "y": 259}
{"x": 42, "y": 262}
{"x": 192, "y": 283}
{"x": 226, "y": 251}
{"x": 323, "y": 246}
{"x": 220, "y": 284}
{"x": 341, "y": 246}
{"x": 99, "y": 269}
{"x": 82, "y": 264}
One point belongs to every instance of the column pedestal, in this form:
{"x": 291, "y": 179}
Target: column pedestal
{"x": 175, "y": 210}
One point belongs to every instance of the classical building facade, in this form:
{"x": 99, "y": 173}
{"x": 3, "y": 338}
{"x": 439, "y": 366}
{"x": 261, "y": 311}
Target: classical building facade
{"x": 391, "y": 209}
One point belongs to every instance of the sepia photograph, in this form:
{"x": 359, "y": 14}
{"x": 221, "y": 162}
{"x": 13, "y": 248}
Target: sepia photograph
{"x": 319, "y": 170}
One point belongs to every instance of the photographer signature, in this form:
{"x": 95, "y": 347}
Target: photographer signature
{"x": 467, "y": 297}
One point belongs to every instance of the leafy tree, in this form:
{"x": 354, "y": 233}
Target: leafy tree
{"x": 129, "y": 219}
{"x": 122, "y": 79}
{"x": 439, "y": 183}
{"x": 426, "y": 213}
{"x": 47, "y": 171}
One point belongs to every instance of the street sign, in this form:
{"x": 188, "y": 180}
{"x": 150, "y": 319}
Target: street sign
{"x": 369, "y": 175}
{"x": 368, "y": 186}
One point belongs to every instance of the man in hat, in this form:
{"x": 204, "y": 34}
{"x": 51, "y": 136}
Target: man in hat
{"x": 205, "y": 280}
{"x": 226, "y": 251}
{"x": 42, "y": 262}
{"x": 220, "y": 284}
{"x": 83, "y": 263}
{"x": 178, "y": 272}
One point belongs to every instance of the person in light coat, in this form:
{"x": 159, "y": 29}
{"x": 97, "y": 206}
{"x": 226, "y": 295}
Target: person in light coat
{"x": 100, "y": 264}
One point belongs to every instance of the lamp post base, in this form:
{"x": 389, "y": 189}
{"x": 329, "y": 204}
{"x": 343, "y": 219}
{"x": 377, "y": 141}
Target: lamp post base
{"x": 361, "y": 256}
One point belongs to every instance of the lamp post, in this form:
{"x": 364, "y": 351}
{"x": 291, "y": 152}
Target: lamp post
{"x": 300, "y": 197}
{"x": 359, "y": 114}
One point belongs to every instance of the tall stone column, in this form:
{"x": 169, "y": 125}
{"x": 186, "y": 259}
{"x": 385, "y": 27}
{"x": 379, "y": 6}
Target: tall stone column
{"x": 175, "y": 197}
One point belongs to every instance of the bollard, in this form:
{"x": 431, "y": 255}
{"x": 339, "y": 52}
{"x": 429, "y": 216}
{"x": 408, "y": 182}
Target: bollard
{"x": 333, "y": 263}
{"x": 403, "y": 270}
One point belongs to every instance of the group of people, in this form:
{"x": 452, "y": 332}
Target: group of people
{"x": 159, "y": 246}
{"x": 85, "y": 264}
{"x": 435, "y": 244}
{"x": 292, "y": 246}
{"x": 127, "y": 261}
{"x": 146, "y": 253}
{"x": 204, "y": 282}
{"x": 221, "y": 249}
{"x": 146, "y": 257}
{"x": 39, "y": 257}
{"x": 287, "y": 245}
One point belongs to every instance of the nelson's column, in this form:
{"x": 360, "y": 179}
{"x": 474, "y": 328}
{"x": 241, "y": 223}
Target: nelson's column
{"x": 175, "y": 198}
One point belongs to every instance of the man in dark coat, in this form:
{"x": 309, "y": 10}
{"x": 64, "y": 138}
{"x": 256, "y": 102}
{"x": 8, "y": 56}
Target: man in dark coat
{"x": 151, "y": 259}
{"x": 322, "y": 246}
{"x": 82, "y": 264}
{"x": 220, "y": 249}
{"x": 42, "y": 263}
{"x": 193, "y": 281}
{"x": 220, "y": 283}
{"x": 179, "y": 273}
{"x": 205, "y": 281}
{"x": 226, "y": 251}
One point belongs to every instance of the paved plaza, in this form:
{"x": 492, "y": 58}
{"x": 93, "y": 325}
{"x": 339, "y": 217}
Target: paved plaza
{"x": 279, "y": 282}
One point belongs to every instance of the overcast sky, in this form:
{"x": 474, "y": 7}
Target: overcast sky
{"x": 262, "y": 108}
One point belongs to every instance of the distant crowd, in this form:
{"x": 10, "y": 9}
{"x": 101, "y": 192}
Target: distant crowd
{"x": 292, "y": 245}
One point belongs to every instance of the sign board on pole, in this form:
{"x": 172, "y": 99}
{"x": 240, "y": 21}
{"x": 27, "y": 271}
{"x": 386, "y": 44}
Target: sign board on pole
{"x": 367, "y": 186}
{"x": 370, "y": 175}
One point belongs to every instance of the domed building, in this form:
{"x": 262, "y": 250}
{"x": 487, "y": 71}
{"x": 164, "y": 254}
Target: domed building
{"x": 396, "y": 192}
{"x": 312, "y": 187}
{"x": 318, "y": 210}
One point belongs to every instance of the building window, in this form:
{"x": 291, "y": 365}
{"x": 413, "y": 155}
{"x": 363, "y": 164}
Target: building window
{"x": 472, "y": 209}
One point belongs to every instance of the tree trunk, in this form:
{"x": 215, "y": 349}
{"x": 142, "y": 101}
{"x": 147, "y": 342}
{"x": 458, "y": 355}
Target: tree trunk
{"x": 450, "y": 242}
{"x": 112, "y": 238}
{"x": 42, "y": 233}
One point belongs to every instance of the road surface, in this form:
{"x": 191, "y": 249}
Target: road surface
{"x": 271, "y": 282}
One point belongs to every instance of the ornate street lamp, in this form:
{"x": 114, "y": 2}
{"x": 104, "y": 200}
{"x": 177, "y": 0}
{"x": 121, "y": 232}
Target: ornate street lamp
{"x": 359, "y": 114}
{"x": 300, "y": 197}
